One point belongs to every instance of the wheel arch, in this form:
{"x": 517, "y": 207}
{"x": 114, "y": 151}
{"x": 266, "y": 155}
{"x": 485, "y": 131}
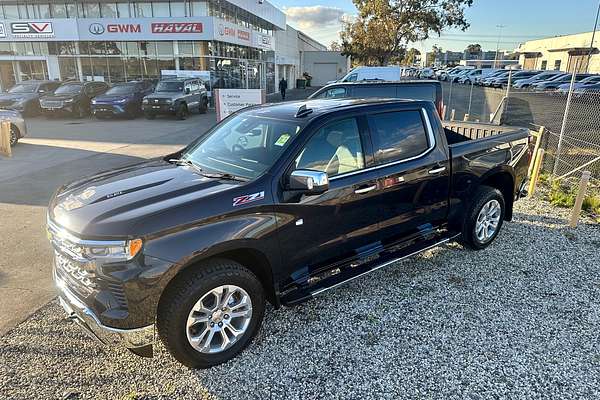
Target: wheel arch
{"x": 504, "y": 181}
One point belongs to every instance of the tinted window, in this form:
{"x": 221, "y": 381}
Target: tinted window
{"x": 332, "y": 93}
{"x": 374, "y": 91}
{"x": 416, "y": 92}
{"x": 397, "y": 135}
{"x": 335, "y": 149}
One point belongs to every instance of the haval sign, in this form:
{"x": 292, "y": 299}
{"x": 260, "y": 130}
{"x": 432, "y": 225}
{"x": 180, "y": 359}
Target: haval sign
{"x": 31, "y": 29}
{"x": 177, "y": 27}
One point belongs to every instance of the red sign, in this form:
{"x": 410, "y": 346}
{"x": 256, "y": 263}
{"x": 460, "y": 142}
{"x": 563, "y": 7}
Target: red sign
{"x": 243, "y": 35}
{"x": 123, "y": 28}
{"x": 176, "y": 27}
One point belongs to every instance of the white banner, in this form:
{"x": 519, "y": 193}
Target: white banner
{"x": 229, "y": 101}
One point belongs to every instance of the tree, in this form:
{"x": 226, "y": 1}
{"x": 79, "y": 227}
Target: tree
{"x": 411, "y": 57}
{"x": 474, "y": 48}
{"x": 383, "y": 28}
{"x": 335, "y": 46}
{"x": 432, "y": 55}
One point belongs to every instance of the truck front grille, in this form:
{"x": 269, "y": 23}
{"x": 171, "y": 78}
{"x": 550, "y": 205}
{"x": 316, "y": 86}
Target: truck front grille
{"x": 52, "y": 103}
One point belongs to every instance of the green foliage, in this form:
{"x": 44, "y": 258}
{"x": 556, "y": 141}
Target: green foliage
{"x": 564, "y": 195}
{"x": 383, "y": 28}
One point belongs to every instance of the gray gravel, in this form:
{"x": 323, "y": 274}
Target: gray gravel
{"x": 520, "y": 319}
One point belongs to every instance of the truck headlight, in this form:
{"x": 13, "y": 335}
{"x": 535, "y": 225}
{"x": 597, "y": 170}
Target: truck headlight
{"x": 112, "y": 251}
{"x": 68, "y": 100}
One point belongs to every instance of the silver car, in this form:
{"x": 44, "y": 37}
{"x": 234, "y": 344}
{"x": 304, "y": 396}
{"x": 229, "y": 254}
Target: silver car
{"x": 18, "y": 128}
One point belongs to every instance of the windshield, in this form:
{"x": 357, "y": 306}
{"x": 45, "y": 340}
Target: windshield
{"x": 244, "y": 145}
{"x": 169, "y": 87}
{"x": 68, "y": 89}
{"x": 23, "y": 88}
{"x": 121, "y": 89}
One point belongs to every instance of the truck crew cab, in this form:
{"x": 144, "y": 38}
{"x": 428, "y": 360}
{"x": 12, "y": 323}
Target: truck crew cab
{"x": 275, "y": 203}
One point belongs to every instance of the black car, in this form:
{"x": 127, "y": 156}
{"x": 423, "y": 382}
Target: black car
{"x": 72, "y": 98}
{"x": 25, "y": 96}
{"x": 276, "y": 203}
{"x": 122, "y": 99}
{"x": 430, "y": 90}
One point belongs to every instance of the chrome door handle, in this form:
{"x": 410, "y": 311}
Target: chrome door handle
{"x": 365, "y": 190}
{"x": 437, "y": 170}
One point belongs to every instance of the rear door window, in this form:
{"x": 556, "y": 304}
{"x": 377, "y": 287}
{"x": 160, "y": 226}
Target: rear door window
{"x": 416, "y": 92}
{"x": 398, "y": 136}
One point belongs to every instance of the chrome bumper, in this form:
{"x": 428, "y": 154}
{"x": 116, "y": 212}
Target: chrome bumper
{"x": 84, "y": 317}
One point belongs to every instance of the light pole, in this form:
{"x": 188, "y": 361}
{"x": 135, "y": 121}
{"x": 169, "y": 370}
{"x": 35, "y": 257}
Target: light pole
{"x": 500, "y": 27}
{"x": 587, "y": 64}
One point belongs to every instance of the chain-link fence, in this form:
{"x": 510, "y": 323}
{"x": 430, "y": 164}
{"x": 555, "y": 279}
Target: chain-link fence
{"x": 570, "y": 117}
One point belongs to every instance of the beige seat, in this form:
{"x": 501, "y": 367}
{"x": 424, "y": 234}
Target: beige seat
{"x": 343, "y": 158}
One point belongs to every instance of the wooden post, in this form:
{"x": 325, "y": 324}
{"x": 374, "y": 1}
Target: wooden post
{"x": 538, "y": 143}
{"x": 585, "y": 178}
{"x": 5, "y": 149}
{"x": 539, "y": 157}
{"x": 466, "y": 119}
{"x": 452, "y": 114}
{"x": 444, "y": 112}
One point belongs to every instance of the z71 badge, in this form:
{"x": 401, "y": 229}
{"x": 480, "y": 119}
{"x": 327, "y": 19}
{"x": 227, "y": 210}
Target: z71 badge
{"x": 248, "y": 198}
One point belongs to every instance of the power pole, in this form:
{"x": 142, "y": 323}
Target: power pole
{"x": 587, "y": 64}
{"x": 500, "y": 27}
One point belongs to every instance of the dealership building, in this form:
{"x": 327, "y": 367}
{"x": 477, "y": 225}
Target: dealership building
{"x": 231, "y": 43}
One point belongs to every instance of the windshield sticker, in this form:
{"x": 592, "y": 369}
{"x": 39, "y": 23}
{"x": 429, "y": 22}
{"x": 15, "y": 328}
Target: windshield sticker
{"x": 248, "y": 198}
{"x": 282, "y": 139}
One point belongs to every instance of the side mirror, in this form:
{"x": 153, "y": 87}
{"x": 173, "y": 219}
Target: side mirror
{"x": 308, "y": 181}
{"x": 187, "y": 90}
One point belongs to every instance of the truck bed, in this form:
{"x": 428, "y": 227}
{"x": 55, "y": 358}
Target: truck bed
{"x": 462, "y": 135}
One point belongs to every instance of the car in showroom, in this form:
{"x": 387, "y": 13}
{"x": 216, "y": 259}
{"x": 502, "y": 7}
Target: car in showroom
{"x": 122, "y": 100}
{"x": 25, "y": 96}
{"x": 176, "y": 96}
{"x": 72, "y": 98}
{"x": 277, "y": 203}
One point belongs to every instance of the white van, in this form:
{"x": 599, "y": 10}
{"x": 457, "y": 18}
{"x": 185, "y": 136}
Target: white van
{"x": 393, "y": 73}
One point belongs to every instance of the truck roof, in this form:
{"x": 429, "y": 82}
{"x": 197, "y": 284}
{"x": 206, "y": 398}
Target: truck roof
{"x": 317, "y": 107}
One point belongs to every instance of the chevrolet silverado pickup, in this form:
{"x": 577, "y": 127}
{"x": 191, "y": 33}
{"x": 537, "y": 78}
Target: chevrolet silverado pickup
{"x": 276, "y": 203}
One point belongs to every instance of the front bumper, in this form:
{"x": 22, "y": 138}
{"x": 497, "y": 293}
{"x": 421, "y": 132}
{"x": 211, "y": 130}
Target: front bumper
{"x": 109, "y": 109}
{"x": 78, "y": 312}
{"x": 158, "y": 109}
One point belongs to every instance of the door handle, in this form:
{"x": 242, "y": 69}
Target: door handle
{"x": 365, "y": 189}
{"x": 437, "y": 170}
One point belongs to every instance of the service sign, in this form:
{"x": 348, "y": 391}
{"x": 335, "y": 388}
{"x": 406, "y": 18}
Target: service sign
{"x": 228, "y": 101}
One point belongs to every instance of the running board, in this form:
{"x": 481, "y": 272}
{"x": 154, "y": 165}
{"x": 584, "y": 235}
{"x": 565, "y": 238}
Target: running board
{"x": 351, "y": 272}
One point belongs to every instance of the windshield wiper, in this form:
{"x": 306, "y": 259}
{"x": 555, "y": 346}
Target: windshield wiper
{"x": 200, "y": 171}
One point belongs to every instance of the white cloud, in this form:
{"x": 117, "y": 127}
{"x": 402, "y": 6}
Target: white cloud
{"x": 322, "y": 23}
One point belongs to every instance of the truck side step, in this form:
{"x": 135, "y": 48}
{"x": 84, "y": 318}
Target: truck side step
{"x": 353, "y": 270}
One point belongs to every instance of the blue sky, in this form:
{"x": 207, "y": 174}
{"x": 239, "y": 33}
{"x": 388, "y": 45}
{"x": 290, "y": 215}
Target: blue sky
{"x": 524, "y": 20}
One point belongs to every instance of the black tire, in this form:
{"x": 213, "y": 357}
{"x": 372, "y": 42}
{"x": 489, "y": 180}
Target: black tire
{"x": 14, "y": 135}
{"x": 182, "y": 112}
{"x": 149, "y": 115}
{"x": 203, "y": 107}
{"x": 182, "y": 294}
{"x": 483, "y": 196}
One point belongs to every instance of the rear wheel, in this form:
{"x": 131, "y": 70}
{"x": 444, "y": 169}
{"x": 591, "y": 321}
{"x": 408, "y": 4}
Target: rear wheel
{"x": 484, "y": 218}
{"x": 211, "y": 313}
{"x": 14, "y": 135}
{"x": 203, "y": 107}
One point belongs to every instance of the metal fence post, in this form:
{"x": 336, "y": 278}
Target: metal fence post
{"x": 470, "y": 97}
{"x": 450, "y": 93}
{"x": 509, "y": 83}
{"x": 564, "y": 123}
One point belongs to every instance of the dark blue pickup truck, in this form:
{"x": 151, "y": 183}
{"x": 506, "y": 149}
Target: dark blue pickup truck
{"x": 275, "y": 203}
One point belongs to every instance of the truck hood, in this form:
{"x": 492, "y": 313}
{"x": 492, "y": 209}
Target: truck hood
{"x": 118, "y": 203}
{"x": 164, "y": 95}
{"x": 61, "y": 97}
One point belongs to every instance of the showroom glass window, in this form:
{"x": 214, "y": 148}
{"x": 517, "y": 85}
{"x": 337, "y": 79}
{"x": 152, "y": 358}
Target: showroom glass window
{"x": 199, "y": 8}
{"x": 143, "y": 9}
{"x": 397, "y": 135}
{"x": 160, "y": 9}
{"x": 123, "y": 10}
{"x": 11, "y": 11}
{"x": 108, "y": 10}
{"x": 178, "y": 9}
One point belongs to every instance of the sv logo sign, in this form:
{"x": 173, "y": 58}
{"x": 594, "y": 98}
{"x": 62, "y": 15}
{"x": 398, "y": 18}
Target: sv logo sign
{"x": 31, "y": 28}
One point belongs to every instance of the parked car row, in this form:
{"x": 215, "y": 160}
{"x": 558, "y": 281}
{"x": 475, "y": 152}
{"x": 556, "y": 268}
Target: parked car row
{"x": 539, "y": 80}
{"x": 178, "y": 96}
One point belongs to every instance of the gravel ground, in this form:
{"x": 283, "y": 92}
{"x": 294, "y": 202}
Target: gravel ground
{"x": 517, "y": 320}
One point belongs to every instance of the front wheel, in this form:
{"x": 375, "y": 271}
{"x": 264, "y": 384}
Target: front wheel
{"x": 182, "y": 112}
{"x": 484, "y": 218}
{"x": 211, "y": 313}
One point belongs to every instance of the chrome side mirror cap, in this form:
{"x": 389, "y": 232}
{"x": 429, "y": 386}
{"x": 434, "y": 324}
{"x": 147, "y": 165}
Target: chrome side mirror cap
{"x": 308, "y": 181}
